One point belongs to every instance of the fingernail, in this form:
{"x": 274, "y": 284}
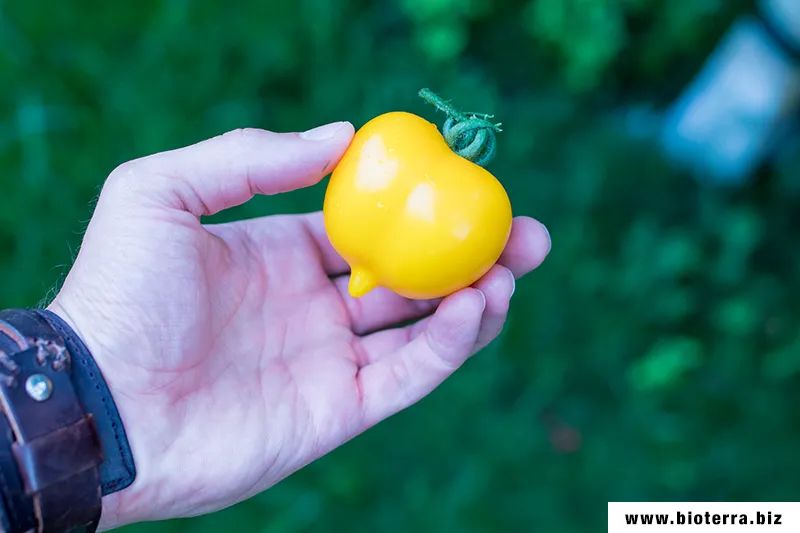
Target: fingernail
{"x": 483, "y": 299}
{"x": 549, "y": 240}
{"x": 323, "y": 133}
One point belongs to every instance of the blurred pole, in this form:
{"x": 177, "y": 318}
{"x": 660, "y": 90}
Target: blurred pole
{"x": 729, "y": 118}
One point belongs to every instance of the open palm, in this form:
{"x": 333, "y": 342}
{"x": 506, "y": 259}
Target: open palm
{"x": 233, "y": 351}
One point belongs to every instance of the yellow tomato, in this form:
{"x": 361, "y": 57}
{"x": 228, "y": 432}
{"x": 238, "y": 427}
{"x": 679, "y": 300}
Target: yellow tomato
{"x": 409, "y": 214}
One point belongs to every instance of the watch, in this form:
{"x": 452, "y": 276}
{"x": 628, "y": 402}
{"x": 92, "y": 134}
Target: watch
{"x": 62, "y": 442}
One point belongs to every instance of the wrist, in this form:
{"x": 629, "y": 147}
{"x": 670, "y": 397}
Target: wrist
{"x": 118, "y": 424}
{"x": 64, "y": 445}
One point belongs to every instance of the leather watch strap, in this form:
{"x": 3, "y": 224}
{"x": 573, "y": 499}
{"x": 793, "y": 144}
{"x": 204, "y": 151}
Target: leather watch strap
{"x": 55, "y": 445}
{"x": 117, "y": 470}
{"x": 17, "y": 506}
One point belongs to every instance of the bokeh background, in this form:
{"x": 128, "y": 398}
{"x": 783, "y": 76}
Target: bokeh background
{"x": 655, "y": 355}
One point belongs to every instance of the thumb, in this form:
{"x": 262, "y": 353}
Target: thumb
{"x": 229, "y": 169}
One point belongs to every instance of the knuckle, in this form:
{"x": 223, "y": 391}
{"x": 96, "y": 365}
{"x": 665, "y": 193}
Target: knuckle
{"x": 242, "y": 137}
{"x": 133, "y": 177}
{"x": 401, "y": 376}
{"x": 123, "y": 171}
{"x": 122, "y": 176}
{"x": 235, "y": 134}
{"x": 400, "y": 372}
{"x": 448, "y": 355}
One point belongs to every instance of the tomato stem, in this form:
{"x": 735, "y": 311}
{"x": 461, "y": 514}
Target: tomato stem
{"x": 470, "y": 135}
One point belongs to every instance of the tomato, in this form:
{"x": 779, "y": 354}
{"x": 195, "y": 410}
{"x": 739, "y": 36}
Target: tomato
{"x": 409, "y": 214}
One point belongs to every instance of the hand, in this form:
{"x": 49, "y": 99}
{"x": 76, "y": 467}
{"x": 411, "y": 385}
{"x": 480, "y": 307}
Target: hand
{"x": 233, "y": 351}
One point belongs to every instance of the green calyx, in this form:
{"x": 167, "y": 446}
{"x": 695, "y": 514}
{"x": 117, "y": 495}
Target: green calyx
{"x": 470, "y": 135}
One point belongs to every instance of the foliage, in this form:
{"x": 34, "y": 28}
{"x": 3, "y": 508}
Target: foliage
{"x": 654, "y": 356}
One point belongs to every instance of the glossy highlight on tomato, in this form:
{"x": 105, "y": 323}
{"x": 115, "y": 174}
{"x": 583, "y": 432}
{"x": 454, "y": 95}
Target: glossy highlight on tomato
{"x": 409, "y": 214}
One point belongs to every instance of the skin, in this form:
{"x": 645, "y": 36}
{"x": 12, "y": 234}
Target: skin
{"x": 233, "y": 351}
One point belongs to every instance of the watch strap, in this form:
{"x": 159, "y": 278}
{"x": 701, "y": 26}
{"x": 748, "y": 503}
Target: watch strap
{"x": 117, "y": 470}
{"x": 55, "y": 447}
{"x": 16, "y": 511}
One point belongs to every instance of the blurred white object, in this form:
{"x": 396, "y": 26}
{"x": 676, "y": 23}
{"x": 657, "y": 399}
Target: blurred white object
{"x": 727, "y": 119}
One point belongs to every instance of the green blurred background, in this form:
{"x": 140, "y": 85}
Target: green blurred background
{"x": 655, "y": 355}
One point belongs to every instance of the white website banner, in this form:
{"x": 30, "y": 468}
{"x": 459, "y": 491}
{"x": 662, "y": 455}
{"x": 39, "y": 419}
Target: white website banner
{"x": 703, "y": 517}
